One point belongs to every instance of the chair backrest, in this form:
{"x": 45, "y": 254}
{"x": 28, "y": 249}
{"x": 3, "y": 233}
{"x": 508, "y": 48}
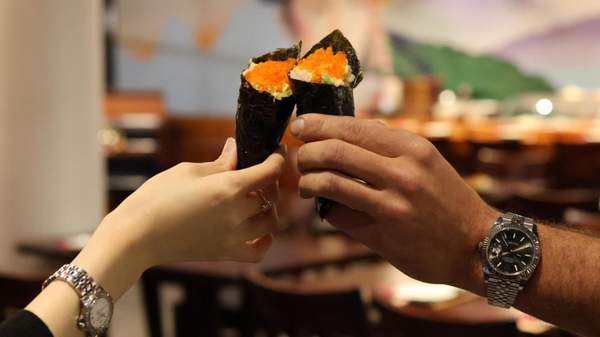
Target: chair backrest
{"x": 16, "y": 292}
{"x": 520, "y": 163}
{"x": 296, "y": 309}
{"x": 578, "y": 165}
{"x": 551, "y": 204}
{"x": 392, "y": 323}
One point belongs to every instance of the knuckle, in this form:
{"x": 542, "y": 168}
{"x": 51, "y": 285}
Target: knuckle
{"x": 355, "y": 128}
{"x": 413, "y": 183}
{"x": 400, "y": 210}
{"x": 393, "y": 208}
{"x": 303, "y": 159}
{"x": 329, "y": 183}
{"x": 230, "y": 186}
{"x": 233, "y": 186}
{"x": 423, "y": 150}
{"x": 375, "y": 124}
{"x": 220, "y": 195}
{"x": 301, "y": 154}
{"x": 220, "y": 165}
{"x": 272, "y": 174}
{"x": 408, "y": 178}
{"x": 335, "y": 151}
{"x": 304, "y": 187}
{"x": 313, "y": 126}
{"x": 185, "y": 167}
{"x": 278, "y": 170}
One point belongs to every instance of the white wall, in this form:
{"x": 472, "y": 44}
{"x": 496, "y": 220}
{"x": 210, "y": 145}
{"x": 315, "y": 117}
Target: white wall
{"x": 51, "y": 167}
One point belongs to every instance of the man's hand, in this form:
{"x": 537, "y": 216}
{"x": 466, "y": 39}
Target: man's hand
{"x": 399, "y": 196}
{"x": 396, "y": 194}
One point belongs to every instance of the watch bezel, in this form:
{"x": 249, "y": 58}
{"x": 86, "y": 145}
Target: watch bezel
{"x": 85, "y": 321}
{"x": 524, "y": 274}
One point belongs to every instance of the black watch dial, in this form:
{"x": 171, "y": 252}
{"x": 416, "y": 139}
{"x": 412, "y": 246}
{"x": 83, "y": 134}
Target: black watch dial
{"x": 510, "y": 251}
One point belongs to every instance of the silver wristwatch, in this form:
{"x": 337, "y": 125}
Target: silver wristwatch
{"x": 510, "y": 254}
{"x": 96, "y": 304}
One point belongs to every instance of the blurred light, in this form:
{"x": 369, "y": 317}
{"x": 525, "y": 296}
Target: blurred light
{"x": 571, "y": 93}
{"x": 447, "y": 97}
{"x": 108, "y": 137}
{"x": 423, "y": 293}
{"x": 544, "y": 106}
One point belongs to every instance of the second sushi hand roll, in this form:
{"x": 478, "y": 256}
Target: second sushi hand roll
{"x": 323, "y": 81}
{"x": 265, "y": 104}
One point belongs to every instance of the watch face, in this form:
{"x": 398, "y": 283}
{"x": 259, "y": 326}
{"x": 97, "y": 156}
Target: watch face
{"x": 100, "y": 313}
{"x": 511, "y": 251}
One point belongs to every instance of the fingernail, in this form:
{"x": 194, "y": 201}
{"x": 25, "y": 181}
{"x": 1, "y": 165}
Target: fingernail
{"x": 229, "y": 146}
{"x": 297, "y": 126}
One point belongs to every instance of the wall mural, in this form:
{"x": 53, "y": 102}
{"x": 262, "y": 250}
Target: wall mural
{"x": 193, "y": 50}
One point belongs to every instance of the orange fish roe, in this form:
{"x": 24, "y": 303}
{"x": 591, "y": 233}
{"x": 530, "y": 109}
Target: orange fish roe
{"x": 323, "y": 61}
{"x": 270, "y": 76}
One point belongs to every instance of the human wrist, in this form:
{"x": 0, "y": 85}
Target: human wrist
{"x": 470, "y": 276}
{"x": 114, "y": 257}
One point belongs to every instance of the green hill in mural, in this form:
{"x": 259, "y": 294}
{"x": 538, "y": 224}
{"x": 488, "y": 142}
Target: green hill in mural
{"x": 488, "y": 76}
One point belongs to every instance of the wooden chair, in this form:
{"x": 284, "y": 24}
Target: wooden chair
{"x": 577, "y": 165}
{"x": 130, "y": 141}
{"x": 200, "y": 313}
{"x": 519, "y": 163}
{"x": 276, "y": 306}
{"x": 551, "y": 204}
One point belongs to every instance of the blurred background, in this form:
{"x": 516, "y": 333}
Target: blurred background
{"x": 97, "y": 96}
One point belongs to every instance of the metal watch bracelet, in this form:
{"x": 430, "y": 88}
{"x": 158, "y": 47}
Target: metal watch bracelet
{"x": 76, "y": 277}
{"x": 502, "y": 293}
{"x": 89, "y": 293}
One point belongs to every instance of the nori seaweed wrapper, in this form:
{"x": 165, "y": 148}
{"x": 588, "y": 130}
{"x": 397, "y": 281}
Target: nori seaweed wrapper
{"x": 328, "y": 99}
{"x": 261, "y": 120}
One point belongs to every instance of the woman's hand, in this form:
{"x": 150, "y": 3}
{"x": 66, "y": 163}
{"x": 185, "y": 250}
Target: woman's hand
{"x": 204, "y": 211}
{"x": 192, "y": 211}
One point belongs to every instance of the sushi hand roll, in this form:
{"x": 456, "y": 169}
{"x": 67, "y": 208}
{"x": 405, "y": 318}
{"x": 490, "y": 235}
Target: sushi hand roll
{"x": 265, "y": 104}
{"x": 323, "y": 81}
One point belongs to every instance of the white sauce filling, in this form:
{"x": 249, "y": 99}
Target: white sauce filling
{"x": 307, "y": 76}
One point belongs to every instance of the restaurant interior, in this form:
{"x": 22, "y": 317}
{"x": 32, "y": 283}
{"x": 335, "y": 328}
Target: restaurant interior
{"x": 97, "y": 96}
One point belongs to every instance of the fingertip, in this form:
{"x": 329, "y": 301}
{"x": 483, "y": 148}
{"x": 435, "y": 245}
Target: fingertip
{"x": 276, "y": 162}
{"x": 297, "y": 126}
{"x": 228, "y": 157}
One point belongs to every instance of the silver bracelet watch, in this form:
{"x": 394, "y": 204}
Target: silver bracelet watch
{"x": 96, "y": 304}
{"x": 510, "y": 254}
